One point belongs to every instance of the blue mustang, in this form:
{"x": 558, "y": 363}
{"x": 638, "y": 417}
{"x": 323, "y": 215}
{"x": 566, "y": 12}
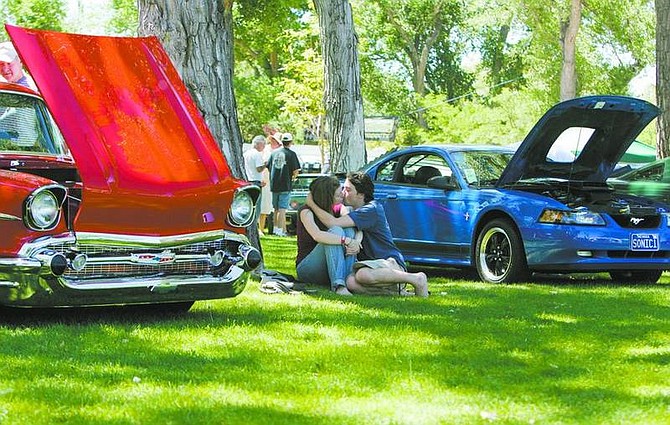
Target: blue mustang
{"x": 508, "y": 213}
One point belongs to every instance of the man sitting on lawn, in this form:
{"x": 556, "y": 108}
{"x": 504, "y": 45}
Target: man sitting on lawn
{"x": 381, "y": 267}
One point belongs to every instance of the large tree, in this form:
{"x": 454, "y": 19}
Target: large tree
{"x": 663, "y": 77}
{"x": 414, "y": 33}
{"x": 421, "y": 36}
{"x": 342, "y": 89}
{"x": 198, "y": 37}
{"x": 569, "y": 29}
{"x": 613, "y": 44}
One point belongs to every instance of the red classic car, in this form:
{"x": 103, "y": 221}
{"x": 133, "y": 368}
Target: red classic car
{"x": 112, "y": 188}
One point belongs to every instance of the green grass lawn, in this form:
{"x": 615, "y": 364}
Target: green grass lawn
{"x": 557, "y": 351}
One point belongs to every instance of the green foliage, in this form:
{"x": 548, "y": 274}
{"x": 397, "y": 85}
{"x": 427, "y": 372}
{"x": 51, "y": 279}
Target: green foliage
{"x": 302, "y": 93}
{"x": 569, "y": 351}
{"x": 444, "y": 73}
{"x": 501, "y": 120}
{"x": 615, "y": 41}
{"x": 279, "y": 72}
{"x": 125, "y": 19}
{"x": 401, "y": 32}
{"x": 257, "y": 103}
{"x": 504, "y": 61}
{"x": 383, "y": 92}
{"x": 268, "y": 33}
{"x": 41, "y": 14}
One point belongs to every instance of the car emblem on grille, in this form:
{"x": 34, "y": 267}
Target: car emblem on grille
{"x": 636, "y": 220}
{"x": 164, "y": 257}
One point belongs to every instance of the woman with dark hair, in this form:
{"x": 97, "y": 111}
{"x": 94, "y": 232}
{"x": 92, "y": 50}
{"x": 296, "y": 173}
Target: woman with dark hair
{"x": 325, "y": 255}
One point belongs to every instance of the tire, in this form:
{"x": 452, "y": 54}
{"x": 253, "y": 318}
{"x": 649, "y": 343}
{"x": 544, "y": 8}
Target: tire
{"x": 636, "y": 276}
{"x": 499, "y": 253}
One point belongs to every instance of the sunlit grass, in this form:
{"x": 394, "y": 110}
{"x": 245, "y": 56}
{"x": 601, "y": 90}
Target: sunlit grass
{"x": 558, "y": 350}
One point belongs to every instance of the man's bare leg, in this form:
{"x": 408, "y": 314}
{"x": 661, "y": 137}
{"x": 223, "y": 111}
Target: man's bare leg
{"x": 281, "y": 219}
{"x": 261, "y": 222}
{"x": 368, "y": 281}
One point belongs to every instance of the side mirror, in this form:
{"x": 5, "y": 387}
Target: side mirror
{"x": 442, "y": 182}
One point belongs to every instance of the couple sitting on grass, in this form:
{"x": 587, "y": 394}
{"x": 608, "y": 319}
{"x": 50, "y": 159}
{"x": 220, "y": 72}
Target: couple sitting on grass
{"x": 350, "y": 250}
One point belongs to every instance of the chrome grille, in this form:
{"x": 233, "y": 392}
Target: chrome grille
{"x": 94, "y": 269}
{"x": 131, "y": 270}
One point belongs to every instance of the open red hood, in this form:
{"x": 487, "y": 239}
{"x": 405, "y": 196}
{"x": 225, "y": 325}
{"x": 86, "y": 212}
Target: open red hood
{"x": 148, "y": 162}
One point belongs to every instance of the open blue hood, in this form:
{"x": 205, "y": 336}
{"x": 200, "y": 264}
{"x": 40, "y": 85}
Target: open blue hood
{"x": 607, "y": 125}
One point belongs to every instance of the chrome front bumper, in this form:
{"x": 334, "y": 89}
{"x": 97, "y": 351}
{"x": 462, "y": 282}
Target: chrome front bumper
{"x": 110, "y": 263}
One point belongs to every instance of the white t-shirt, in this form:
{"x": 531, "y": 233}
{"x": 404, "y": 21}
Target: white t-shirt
{"x": 252, "y": 160}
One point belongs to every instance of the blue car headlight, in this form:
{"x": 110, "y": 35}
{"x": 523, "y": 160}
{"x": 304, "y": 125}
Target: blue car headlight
{"x": 667, "y": 218}
{"x": 578, "y": 216}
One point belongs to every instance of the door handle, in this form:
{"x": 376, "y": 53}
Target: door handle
{"x": 391, "y": 196}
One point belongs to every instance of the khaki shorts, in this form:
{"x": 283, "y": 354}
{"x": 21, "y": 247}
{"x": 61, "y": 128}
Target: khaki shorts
{"x": 390, "y": 289}
{"x": 375, "y": 264}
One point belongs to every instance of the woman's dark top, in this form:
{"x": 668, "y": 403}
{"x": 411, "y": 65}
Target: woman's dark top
{"x": 305, "y": 241}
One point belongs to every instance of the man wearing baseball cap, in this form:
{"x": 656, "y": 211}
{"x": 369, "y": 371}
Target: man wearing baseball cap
{"x": 11, "y": 68}
{"x": 283, "y": 166}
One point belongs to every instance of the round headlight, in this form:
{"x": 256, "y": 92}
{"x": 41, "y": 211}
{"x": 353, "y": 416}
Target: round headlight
{"x": 242, "y": 209}
{"x": 42, "y": 210}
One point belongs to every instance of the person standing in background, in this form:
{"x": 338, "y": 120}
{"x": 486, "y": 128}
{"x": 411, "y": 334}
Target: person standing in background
{"x": 11, "y": 67}
{"x": 283, "y": 166}
{"x": 254, "y": 164}
{"x": 273, "y": 141}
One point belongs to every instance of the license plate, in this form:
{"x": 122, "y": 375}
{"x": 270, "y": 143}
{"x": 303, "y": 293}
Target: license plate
{"x": 644, "y": 242}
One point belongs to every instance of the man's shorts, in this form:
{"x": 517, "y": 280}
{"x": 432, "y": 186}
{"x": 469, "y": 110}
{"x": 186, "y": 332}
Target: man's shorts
{"x": 378, "y": 264}
{"x": 391, "y": 288}
{"x": 280, "y": 200}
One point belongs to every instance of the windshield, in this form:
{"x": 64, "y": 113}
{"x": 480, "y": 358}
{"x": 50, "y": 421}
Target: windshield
{"x": 27, "y": 127}
{"x": 481, "y": 168}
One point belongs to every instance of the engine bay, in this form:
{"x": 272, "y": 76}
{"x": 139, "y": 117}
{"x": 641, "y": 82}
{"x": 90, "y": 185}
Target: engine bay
{"x": 596, "y": 196}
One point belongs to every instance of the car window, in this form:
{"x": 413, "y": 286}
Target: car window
{"x": 419, "y": 168}
{"x": 481, "y": 168}
{"x": 302, "y": 182}
{"x": 386, "y": 171}
{"x": 27, "y": 126}
{"x": 654, "y": 174}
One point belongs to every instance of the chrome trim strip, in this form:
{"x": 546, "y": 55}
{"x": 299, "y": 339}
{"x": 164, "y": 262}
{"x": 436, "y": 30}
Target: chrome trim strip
{"x": 158, "y": 283}
{"x": 4, "y": 216}
{"x": 9, "y": 284}
{"x": 110, "y": 239}
{"x": 24, "y": 264}
{"x": 44, "y": 242}
{"x": 87, "y": 238}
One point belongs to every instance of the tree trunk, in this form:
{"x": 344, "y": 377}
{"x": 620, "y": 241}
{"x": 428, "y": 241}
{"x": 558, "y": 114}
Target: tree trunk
{"x": 663, "y": 77}
{"x": 569, "y": 30}
{"x": 198, "y": 37}
{"x": 497, "y": 62}
{"x": 342, "y": 97}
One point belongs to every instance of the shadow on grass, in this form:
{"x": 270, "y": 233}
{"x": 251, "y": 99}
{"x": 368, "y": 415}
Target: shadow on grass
{"x": 87, "y": 315}
{"x": 543, "y": 343}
